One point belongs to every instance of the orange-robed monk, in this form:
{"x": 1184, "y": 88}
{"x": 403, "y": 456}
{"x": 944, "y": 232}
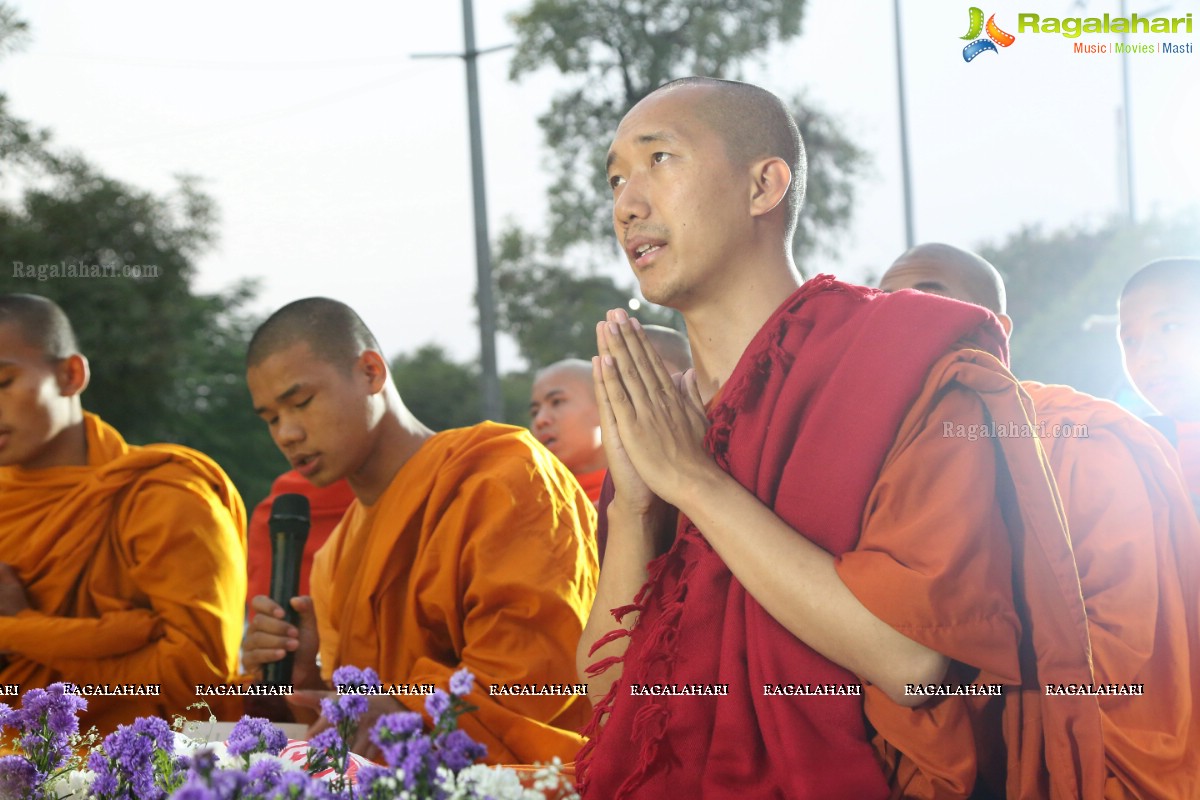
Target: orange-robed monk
{"x": 121, "y": 564}
{"x": 466, "y": 548}
{"x": 1136, "y": 544}
{"x": 564, "y": 417}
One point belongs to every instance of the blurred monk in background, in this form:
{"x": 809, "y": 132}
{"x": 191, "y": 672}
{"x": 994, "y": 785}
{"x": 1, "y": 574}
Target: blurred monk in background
{"x": 466, "y": 548}
{"x": 563, "y": 416}
{"x": 1136, "y": 546}
{"x": 1160, "y": 342}
{"x": 122, "y": 564}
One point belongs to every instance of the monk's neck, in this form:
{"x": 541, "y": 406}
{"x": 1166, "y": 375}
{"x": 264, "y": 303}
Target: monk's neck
{"x": 400, "y": 436}
{"x": 67, "y": 449}
{"x": 719, "y": 332}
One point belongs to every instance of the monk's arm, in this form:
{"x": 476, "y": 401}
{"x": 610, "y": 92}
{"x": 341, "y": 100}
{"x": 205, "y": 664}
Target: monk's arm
{"x": 634, "y": 539}
{"x": 187, "y": 561}
{"x": 47, "y": 639}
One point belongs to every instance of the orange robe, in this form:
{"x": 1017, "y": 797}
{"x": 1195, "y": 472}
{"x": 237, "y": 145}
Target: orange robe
{"x": 592, "y": 483}
{"x": 1137, "y": 546}
{"x": 980, "y": 569}
{"x": 1188, "y": 434}
{"x": 135, "y": 571}
{"x": 481, "y": 554}
{"x": 327, "y": 505}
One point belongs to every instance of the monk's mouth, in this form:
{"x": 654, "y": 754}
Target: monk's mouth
{"x": 307, "y": 465}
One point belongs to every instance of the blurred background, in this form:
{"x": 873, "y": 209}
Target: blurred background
{"x": 258, "y": 153}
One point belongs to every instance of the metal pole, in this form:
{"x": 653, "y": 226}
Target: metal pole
{"x": 1129, "y": 205}
{"x": 909, "y": 238}
{"x": 490, "y": 378}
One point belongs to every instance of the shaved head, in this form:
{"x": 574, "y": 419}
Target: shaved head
{"x": 41, "y": 323}
{"x": 1181, "y": 276}
{"x": 754, "y": 124}
{"x": 568, "y": 367}
{"x": 671, "y": 345}
{"x": 331, "y": 329}
{"x": 948, "y": 271}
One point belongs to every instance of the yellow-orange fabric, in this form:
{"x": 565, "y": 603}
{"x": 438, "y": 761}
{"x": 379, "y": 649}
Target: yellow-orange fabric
{"x": 481, "y": 554}
{"x": 999, "y": 596}
{"x": 1136, "y": 545}
{"x": 135, "y": 571}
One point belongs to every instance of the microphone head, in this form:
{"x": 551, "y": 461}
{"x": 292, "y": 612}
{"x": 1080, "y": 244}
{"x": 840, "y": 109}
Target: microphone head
{"x": 289, "y": 514}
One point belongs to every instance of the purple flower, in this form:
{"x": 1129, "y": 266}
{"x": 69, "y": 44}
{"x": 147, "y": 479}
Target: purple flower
{"x": 255, "y": 735}
{"x": 462, "y": 682}
{"x": 459, "y": 751}
{"x": 437, "y": 704}
{"x": 353, "y": 676}
{"x": 18, "y": 777}
{"x": 327, "y": 741}
{"x": 47, "y": 719}
{"x": 393, "y": 727}
{"x": 125, "y": 764}
{"x": 195, "y": 790}
{"x": 346, "y": 708}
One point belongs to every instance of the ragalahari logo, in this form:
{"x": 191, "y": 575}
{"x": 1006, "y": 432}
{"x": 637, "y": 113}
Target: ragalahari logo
{"x": 995, "y": 36}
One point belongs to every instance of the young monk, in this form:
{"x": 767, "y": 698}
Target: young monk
{"x": 326, "y": 504}
{"x": 1160, "y": 342}
{"x": 563, "y": 416}
{"x": 122, "y": 564}
{"x": 466, "y": 548}
{"x": 827, "y": 532}
{"x": 1136, "y": 544}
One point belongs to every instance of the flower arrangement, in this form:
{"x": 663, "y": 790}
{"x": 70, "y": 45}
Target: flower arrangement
{"x": 152, "y": 760}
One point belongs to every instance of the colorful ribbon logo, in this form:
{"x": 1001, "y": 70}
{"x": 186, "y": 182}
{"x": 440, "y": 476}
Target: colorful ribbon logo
{"x": 995, "y": 36}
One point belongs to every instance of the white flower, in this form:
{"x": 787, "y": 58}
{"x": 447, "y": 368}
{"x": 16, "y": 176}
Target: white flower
{"x": 74, "y": 784}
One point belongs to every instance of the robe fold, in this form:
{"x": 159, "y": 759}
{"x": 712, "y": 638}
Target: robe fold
{"x": 479, "y": 554}
{"x": 1188, "y": 446}
{"x": 1137, "y": 547}
{"x": 591, "y": 483}
{"x": 834, "y": 417}
{"x": 134, "y": 568}
{"x": 327, "y": 504}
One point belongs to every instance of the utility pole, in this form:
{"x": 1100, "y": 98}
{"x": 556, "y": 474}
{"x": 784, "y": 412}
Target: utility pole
{"x": 484, "y": 296}
{"x": 906, "y": 171}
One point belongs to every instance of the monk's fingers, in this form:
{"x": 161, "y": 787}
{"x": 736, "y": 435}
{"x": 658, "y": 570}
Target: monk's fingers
{"x": 311, "y": 698}
{"x": 691, "y": 387}
{"x": 269, "y": 626}
{"x": 261, "y": 604}
{"x": 638, "y": 387}
{"x": 654, "y": 372}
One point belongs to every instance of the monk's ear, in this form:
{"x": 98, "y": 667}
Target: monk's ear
{"x": 72, "y": 375}
{"x": 1006, "y": 323}
{"x": 371, "y": 365}
{"x": 771, "y": 178}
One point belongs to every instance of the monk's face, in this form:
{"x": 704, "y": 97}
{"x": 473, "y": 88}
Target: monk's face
{"x": 564, "y": 417}
{"x": 680, "y": 205}
{"x": 322, "y": 417}
{"x": 35, "y": 403}
{"x": 1160, "y": 343}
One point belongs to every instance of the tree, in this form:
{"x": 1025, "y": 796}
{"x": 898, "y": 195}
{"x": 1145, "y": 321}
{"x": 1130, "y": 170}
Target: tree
{"x": 167, "y": 363}
{"x": 617, "y": 52}
{"x": 440, "y": 392}
{"x": 1062, "y": 294}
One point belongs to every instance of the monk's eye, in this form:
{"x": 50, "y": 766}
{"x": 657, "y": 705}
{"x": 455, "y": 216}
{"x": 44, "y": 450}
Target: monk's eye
{"x": 615, "y": 181}
{"x": 304, "y": 403}
{"x": 1171, "y": 327}
{"x": 660, "y": 157}
{"x": 7, "y": 382}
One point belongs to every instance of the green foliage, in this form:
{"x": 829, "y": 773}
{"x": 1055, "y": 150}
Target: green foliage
{"x": 167, "y": 363}
{"x": 1059, "y": 281}
{"x": 440, "y": 392}
{"x": 550, "y": 311}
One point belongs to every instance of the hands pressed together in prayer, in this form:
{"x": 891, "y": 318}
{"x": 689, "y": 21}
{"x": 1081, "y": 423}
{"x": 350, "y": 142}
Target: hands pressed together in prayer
{"x": 653, "y": 423}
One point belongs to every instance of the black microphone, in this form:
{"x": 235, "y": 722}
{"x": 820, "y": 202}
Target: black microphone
{"x": 288, "y": 528}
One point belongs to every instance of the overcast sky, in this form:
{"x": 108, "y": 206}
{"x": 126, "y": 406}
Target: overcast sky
{"x": 341, "y": 165}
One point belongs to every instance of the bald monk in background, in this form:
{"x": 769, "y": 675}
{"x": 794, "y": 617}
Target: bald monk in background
{"x": 1160, "y": 344}
{"x": 465, "y": 548}
{"x": 1135, "y": 544}
{"x": 123, "y": 564}
{"x": 564, "y": 417}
